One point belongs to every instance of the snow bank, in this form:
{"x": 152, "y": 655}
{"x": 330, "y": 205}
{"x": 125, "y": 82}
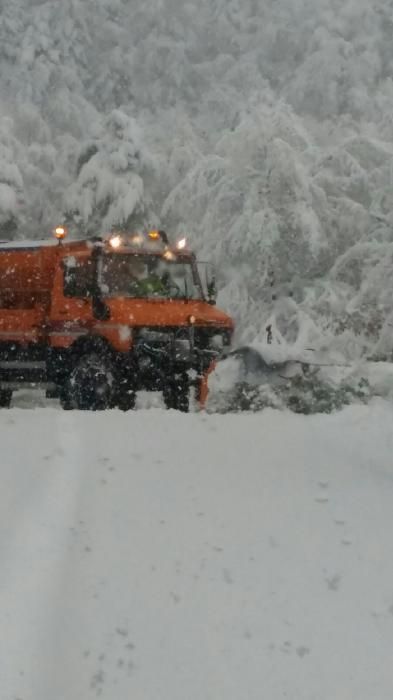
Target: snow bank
{"x": 159, "y": 555}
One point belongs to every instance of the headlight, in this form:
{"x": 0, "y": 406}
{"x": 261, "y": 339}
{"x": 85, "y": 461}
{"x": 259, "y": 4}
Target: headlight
{"x": 217, "y": 342}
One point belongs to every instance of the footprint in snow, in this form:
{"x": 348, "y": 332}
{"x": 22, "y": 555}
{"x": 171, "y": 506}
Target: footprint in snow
{"x": 302, "y": 652}
{"x": 227, "y": 576}
{"x": 333, "y": 583}
{"x": 97, "y": 681}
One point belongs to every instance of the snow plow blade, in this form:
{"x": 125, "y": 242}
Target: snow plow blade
{"x": 255, "y": 369}
{"x": 246, "y": 381}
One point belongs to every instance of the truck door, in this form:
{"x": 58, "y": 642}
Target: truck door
{"x": 71, "y": 314}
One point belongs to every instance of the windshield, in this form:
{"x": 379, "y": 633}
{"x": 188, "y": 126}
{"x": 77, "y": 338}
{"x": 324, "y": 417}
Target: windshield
{"x": 148, "y": 276}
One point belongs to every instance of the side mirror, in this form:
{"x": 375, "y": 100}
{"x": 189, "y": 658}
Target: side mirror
{"x": 211, "y": 291}
{"x": 208, "y": 281}
{"x": 101, "y": 311}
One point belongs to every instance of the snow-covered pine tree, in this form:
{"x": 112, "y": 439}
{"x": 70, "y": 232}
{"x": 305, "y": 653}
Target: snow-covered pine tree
{"x": 108, "y": 191}
{"x": 11, "y": 182}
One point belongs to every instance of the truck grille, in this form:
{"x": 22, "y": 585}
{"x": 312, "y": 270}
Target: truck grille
{"x": 203, "y": 335}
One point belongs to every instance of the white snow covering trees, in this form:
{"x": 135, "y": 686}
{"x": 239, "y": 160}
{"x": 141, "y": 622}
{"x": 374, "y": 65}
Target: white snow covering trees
{"x": 109, "y": 189}
{"x": 265, "y": 132}
{"x": 11, "y": 182}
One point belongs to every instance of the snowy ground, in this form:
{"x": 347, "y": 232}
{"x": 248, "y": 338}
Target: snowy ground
{"x": 159, "y": 556}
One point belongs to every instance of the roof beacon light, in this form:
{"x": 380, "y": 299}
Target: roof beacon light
{"x": 180, "y": 245}
{"x": 154, "y": 235}
{"x": 60, "y": 232}
{"x": 115, "y": 241}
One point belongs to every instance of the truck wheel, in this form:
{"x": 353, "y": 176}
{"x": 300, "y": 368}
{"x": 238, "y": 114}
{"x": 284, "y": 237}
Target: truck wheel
{"x": 52, "y": 393}
{"x": 65, "y": 398}
{"x": 125, "y": 400}
{"x": 5, "y": 398}
{"x": 90, "y": 385}
{"x": 176, "y": 394}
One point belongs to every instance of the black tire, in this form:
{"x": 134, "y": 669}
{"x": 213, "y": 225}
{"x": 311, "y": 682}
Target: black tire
{"x": 65, "y": 399}
{"x": 176, "y": 394}
{"x": 125, "y": 400}
{"x": 90, "y": 385}
{"x": 5, "y": 398}
{"x": 52, "y": 393}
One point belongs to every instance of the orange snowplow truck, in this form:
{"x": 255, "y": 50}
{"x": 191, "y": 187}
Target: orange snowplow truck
{"x": 94, "y": 321}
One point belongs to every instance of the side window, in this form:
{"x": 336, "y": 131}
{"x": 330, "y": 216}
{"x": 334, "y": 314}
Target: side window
{"x": 78, "y": 277}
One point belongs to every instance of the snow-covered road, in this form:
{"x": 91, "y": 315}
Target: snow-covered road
{"x": 160, "y": 556}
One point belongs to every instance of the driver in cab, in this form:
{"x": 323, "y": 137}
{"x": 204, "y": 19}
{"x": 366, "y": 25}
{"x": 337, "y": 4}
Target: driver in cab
{"x": 145, "y": 280}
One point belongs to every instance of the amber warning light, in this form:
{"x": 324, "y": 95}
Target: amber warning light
{"x": 116, "y": 241}
{"x": 60, "y": 232}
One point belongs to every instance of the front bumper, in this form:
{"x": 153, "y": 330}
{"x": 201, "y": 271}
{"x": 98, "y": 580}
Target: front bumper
{"x": 189, "y": 347}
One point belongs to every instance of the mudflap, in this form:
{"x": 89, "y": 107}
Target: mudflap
{"x": 203, "y": 386}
